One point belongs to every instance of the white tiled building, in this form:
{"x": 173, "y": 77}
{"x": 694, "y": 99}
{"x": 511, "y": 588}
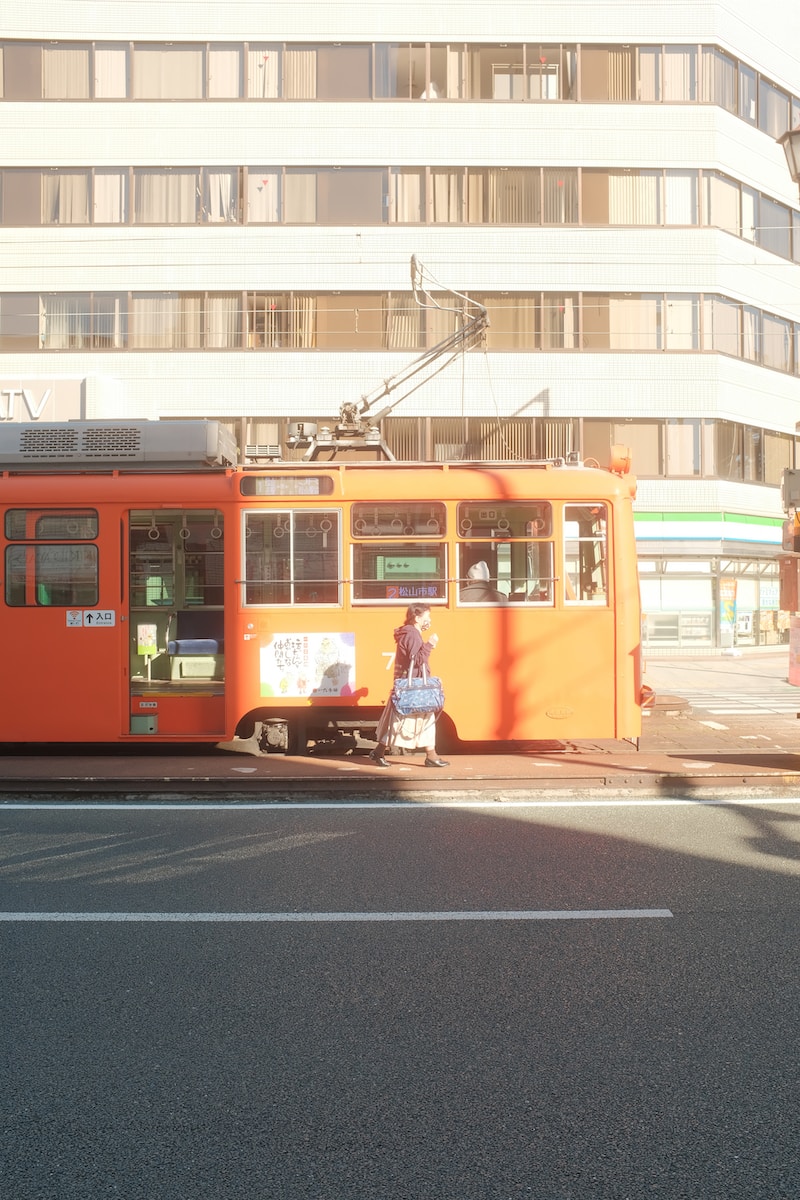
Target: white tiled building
{"x": 209, "y": 209}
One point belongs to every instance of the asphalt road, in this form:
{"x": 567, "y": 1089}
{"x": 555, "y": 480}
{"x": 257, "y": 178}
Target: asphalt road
{"x": 560, "y": 1001}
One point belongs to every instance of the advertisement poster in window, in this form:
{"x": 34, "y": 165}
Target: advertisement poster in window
{"x": 308, "y": 664}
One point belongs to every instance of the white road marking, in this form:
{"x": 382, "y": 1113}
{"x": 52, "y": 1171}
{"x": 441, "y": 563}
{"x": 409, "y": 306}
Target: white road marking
{"x": 601, "y": 914}
{"x": 436, "y": 804}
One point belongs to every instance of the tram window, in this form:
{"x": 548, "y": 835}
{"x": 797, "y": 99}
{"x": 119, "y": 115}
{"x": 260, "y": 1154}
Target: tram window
{"x": 51, "y": 576}
{"x": 399, "y": 572}
{"x": 502, "y": 519}
{"x": 291, "y": 557}
{"x": 68, "y": 525}
{"x": 585, "y": 554}
{"x": 398, "y": 520}
{"x": 514, "y": 571}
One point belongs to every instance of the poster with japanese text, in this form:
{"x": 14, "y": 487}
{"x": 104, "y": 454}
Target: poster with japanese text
{"x": 308, "y": 664}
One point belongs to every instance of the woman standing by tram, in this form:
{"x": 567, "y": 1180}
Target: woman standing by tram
{"x": 410, "y": 733}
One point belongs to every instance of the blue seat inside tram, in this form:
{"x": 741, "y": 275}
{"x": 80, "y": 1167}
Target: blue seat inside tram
{"x": 196, "y": 633}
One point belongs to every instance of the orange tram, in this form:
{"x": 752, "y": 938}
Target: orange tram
{"x": 155, "y": 592}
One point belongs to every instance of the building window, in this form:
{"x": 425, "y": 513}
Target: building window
{"x": 168, "y": 72}
{"x": 165, "y": 196}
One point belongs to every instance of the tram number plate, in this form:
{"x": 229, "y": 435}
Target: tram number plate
{"x": 91, "y": 618}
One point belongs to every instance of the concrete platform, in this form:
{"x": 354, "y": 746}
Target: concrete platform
{"x": 682, "y": 750}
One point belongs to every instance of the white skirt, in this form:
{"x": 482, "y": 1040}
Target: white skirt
{"x": 406, "y": 733}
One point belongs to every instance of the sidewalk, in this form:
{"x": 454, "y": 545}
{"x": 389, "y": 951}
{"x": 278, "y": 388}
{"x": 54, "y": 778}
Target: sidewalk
{"x": 683, "y": 751}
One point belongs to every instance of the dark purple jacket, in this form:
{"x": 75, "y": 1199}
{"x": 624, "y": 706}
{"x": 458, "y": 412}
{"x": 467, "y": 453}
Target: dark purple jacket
{"x": 410, "y": 648}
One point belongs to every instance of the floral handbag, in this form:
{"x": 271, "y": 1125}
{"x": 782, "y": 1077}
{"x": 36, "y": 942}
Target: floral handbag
{"x": 416, "y": 697}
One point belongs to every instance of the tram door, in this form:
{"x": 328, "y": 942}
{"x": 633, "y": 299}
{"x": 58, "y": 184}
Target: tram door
{"x": 177, "y": 637}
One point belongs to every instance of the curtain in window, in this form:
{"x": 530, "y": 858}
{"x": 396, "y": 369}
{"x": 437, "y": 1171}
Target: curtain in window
{"x": 620, "y": 73}
{"x": 722, "y": 203}
{"x": 154, "y": 322}
{"x": 66, "y": 323}
{"x": 111, "y": 72}
{"x": 65, "y": 73}
{"x": 109, "y": 322}
{"x": 721, "y": 326}
{"x": 634, "y": 323}
{"x": 773, "y": 110}
{"x": 560, "y": 196}
{"x": 682, "y": 332}
{"x": 223, "y": 327}
{"x": 455, "y": 73}
{"x": 65, "y": 198}
{"x": 263, "y": 196}
{"x": 302, "y": 327}
{"x": 719, "y": 79}
{"x": 774, "y": 227}
{"x": 402, "y": 321}
{"x": 300, "y": 191}
{"x": 446, "y": 188}
{"x": 749, "y": 214}
{"x": 406, "y": 192}
{"x": 777, "y": 343}
{"x": 680, "y": 73}
{"x": 683, "y": 447}
{"x": 649, "y": 73}
{"x": 300, "y": 74}
{"x": 263, "y": 72}
{"x": 168, "y": 73}
{"x": 634, "y": 198}
{"x": 512, "y": 322}
{"x": 559, "y": 322}
{"x": 2, "y": 83}
{"x": 221, "y": 195}
{"x": 751, "y": 331}
{"x": 747, "y": 94}
{"x": 224, "y": 72}
{"x": 267, "y": 320}
{"x": 680, "y": 198}
{"x": 165, "y": 197}
{"x": 513, "y": 196}
{"x": 110, "y": 197}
